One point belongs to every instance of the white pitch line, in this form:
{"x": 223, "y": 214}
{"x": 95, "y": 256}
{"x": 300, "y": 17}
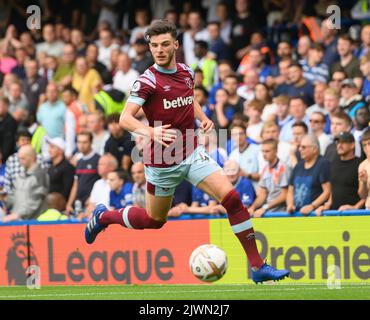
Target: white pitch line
{"x": 169, "y": 292}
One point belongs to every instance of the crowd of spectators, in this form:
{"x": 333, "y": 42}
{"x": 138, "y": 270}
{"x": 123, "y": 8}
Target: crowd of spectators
{"x": 290, "y": 90}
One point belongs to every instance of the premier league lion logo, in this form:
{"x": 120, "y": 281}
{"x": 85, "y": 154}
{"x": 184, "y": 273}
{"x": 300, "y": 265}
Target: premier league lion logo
{"x": 19, "y": 257}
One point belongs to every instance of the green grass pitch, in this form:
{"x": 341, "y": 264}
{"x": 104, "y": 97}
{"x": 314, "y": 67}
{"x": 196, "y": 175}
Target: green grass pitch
{"x": 275, "y": 291}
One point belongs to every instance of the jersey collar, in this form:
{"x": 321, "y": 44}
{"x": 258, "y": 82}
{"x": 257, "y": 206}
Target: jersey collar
{"x": 164, "y": 70}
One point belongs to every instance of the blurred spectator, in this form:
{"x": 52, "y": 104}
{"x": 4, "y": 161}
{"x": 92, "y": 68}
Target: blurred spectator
{"x": 253, "y": 110}
{"x": 303, "y": 47}
{"x": 365, "y": 69}
{"x": 319, "y": 100}
{"x": 247, "y": 89}
{"x": 273, "y": 184}
{"x": 280, "y": 83}
{"x": 299, "y": 130}
{"x": 20, "y": 56}
{"x": 92, "y": 53}
{"x": 271, "y": 131}
{"x": 297, "y": 109}
{"x": 142, "y": 20}
{"x": 245, "y": 154}
{"x": 64, "y": 72}
{"x": 139, "y": 187}
{"x": 18, "y": 104}
{"x": 254, "y": 60}
{"x": 201, "y": 96}
{"x": 341, "y": 122}
{"x": 195, "y": 32}
{"x": 8, "y": 129}
{"x": 222, "y": 12}
{"x": 13, "y": 165}
{"x": 330, "y": 42}
{"x": 142, "y": 59}
{"x": 56, "y": 204}
{"x": 212, "y": 148}
{"x": 125, "y": 75}
{"x": 33, "y": 85}
{"x": 119, "y": 143}
{"x": 77, "y": 39}
{"x": 298, "y": 85}
{"x": 314, "y": 70}
{"x": 224, "y": 69}
{"x": 348, "y": 63}
{"x": 106, "y": 45}
{"x": 51, "y": 113}
{"x": 100, "y": 193}
{"x": 218, "y": 49}
{"x": 331, "y": 105}
{"x": 87, "y": 82}
{"x": 207, "y": 65}
{"x": 96, "y": 122}
{"x": 30, "y": 188}
{"x": 364, "y": 171}
{"x": 61, "y": 172}
{"x": 344, "y": 177}
{"x": 243, "y": 25}
{"x": 182, "y": 198}
{"x": 336, "y": 80}
{"x": 120, "y": 194}
{"x": 351, "y": 100}
{"x": 231, "y": 84}
{"x": 51, "y": 45}
{"x": 361, "y": 123}
{"x": 317, "y": 124}
{"x": 224, "y": 112}
{"x": 282, "y": 110}
{"x": 86, "y": 171}
{"x": 309, "y": 183}
{"x": 73, "y": 114}
{"x": 242, "y": 184}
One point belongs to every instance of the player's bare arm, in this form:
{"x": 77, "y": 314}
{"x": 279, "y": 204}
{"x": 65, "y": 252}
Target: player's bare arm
{"x": 160, "y": 134}
{"x": 205, "y": 123}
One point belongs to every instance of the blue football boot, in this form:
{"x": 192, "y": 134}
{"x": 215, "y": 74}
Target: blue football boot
{"x": 267, "y": 273}
{"x": 93, "y": 227}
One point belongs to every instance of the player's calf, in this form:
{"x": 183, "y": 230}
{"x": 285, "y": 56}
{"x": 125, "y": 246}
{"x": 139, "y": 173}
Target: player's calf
{"x": 130, "y": 217}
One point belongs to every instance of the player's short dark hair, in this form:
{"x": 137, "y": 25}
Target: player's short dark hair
{"x": 113, "y": 118}
{"x": 302, "y": 125}
{"x": 158, "y": 27}
{"x": 23, "y": 133}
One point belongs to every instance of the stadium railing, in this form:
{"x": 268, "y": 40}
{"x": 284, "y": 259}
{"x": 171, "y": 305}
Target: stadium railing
{"x": 328, "y": 213}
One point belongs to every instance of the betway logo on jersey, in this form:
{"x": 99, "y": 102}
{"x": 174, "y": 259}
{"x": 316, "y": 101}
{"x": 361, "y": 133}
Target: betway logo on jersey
{"x": 179, "y": 102}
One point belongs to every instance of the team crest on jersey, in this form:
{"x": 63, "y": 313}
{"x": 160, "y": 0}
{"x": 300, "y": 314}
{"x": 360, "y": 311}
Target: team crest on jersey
{"x": 136, "y": 86}
{"x": 167, "y": 88}
{"x": 189, "y": 83}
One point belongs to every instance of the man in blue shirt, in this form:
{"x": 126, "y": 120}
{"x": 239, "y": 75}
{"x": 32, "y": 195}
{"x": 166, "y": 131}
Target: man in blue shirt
{"x": 121, "y": 189}
{"x": 299, "y": 86}
{"x": 309, "y": 184}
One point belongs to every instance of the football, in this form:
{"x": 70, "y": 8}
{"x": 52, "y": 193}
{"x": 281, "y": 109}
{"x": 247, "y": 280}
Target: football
{"x": 208, "y": 262}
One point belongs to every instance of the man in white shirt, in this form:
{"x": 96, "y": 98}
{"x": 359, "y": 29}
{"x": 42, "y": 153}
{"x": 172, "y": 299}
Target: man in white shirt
{"x": 125, "y": 75}
{"x": 245, "y": 154}
{"x": 95, "y": 123}
{"x": 106, "y": 45}
{"x": 100, "y": 191}
{"x": 317, "y": 125}
{"x": 51, "y": 46}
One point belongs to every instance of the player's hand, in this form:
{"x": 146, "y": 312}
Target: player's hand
{"x": 163, "y": 135}
{"x": 206, "y": 125}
